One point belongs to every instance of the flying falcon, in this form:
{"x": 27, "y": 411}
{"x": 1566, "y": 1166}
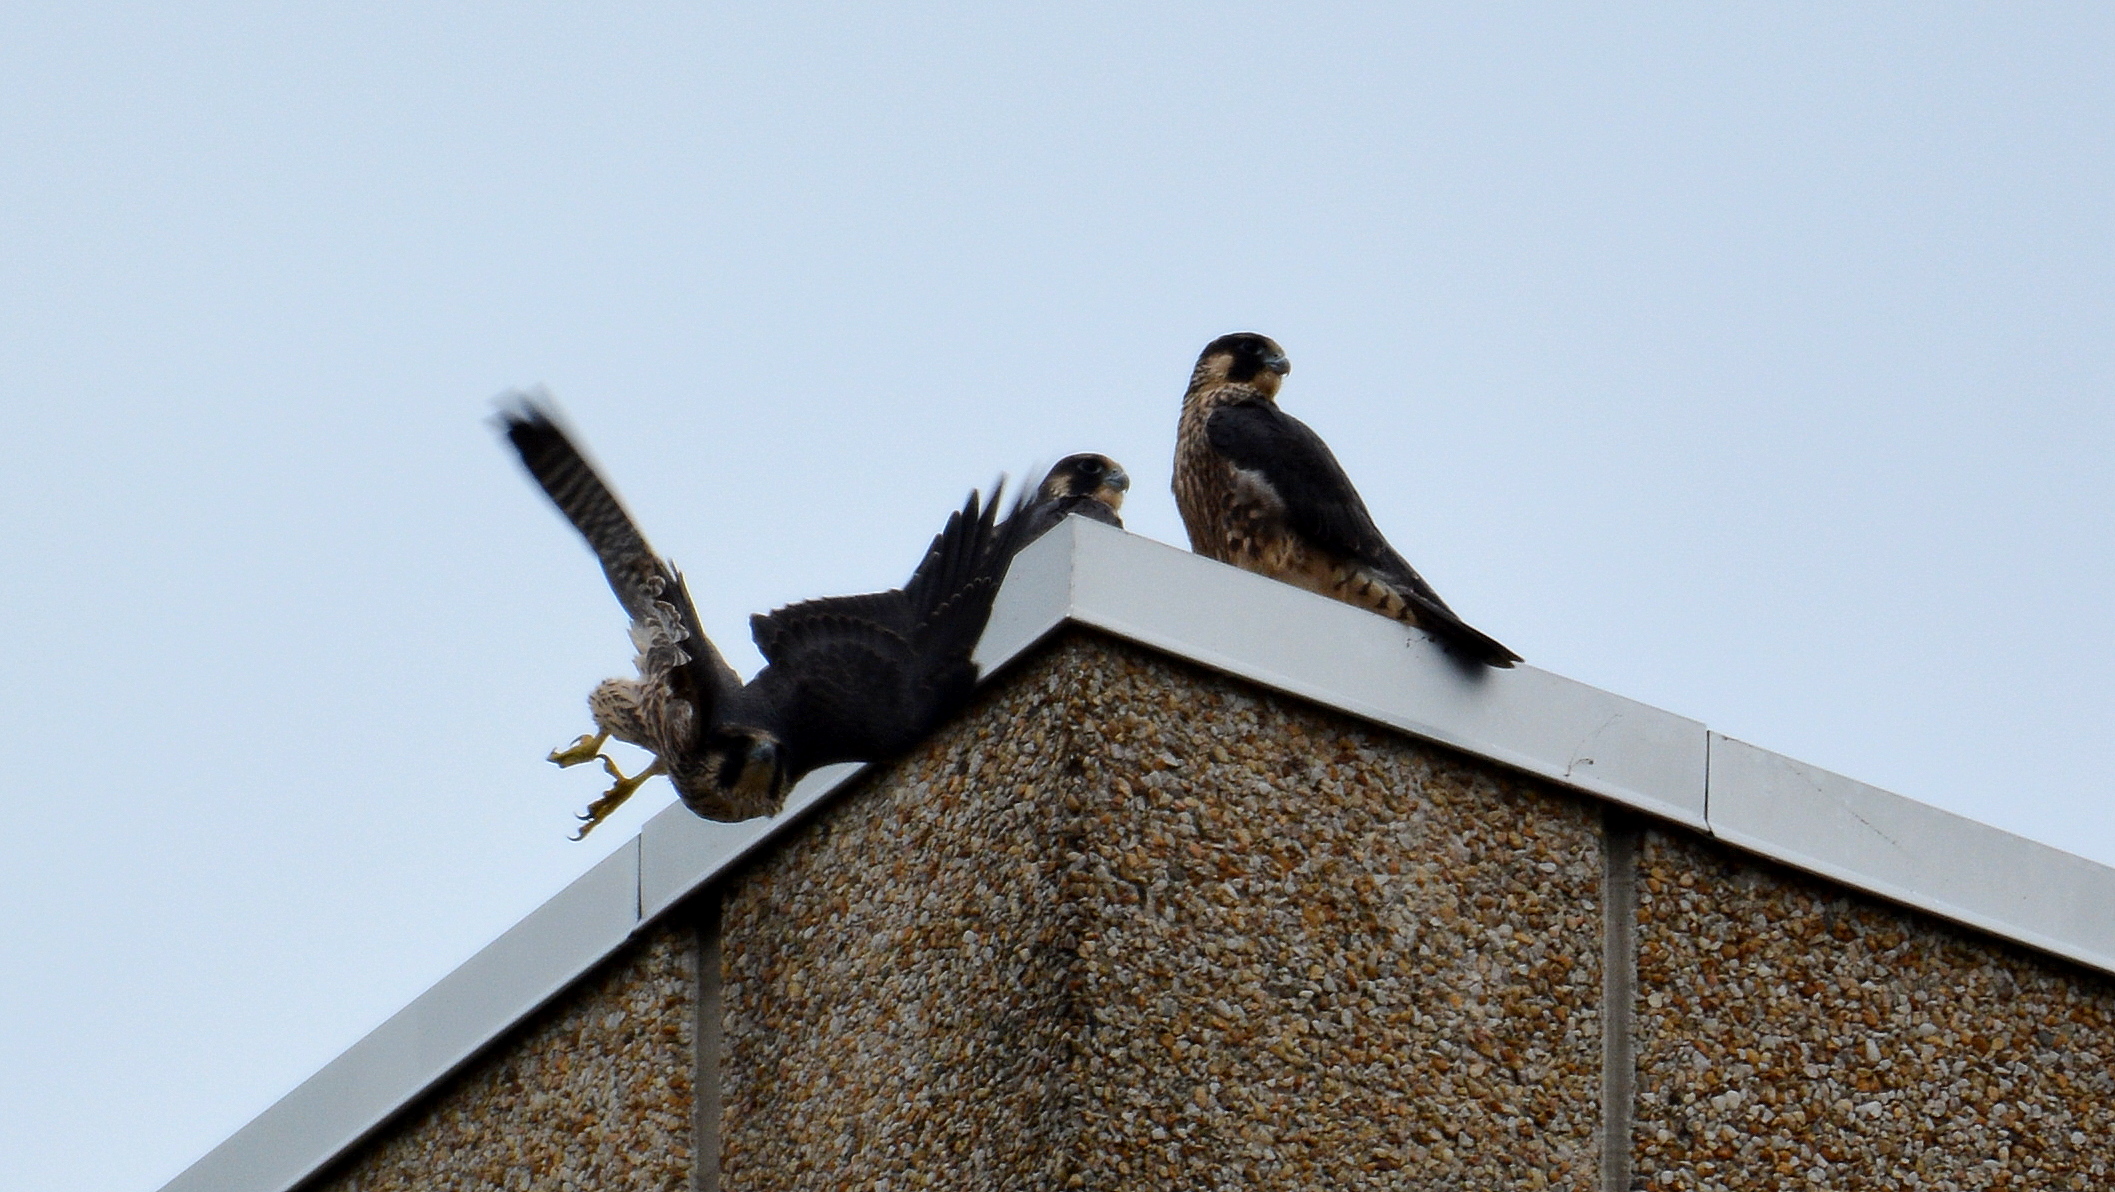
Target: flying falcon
{"x": 1258, "y": 489}
{"x": 847, "y": 678}
{"x": 1087, "y": 484}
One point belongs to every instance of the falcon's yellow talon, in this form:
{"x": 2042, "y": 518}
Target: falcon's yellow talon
{"x": 602, "y": 808}
{"x": 585, "y": 749}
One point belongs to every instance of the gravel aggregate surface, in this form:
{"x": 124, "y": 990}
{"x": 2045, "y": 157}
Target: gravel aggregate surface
{"x": 1132, "y": 924}
{"x": 1794, "y": 1035}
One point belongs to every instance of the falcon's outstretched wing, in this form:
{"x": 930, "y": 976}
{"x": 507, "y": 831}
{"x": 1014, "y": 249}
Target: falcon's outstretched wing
{"x": 953, "y": 571}
{"x": 951, "y": 591}
{"x": 649, "y": 588}
{"x": 849, "y": 678}
{"x": 863, "y": 677}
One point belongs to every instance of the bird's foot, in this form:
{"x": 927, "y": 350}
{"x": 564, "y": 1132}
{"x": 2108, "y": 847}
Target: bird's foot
{"x": 586, "y": 749}
{"x": 613, "y": 798}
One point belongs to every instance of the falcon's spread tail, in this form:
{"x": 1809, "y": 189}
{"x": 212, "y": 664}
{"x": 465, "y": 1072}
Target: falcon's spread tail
{"x": 862, "y": 678}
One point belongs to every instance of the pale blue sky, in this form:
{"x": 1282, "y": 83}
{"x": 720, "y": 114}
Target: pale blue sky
{"x": 1750, "y": 360}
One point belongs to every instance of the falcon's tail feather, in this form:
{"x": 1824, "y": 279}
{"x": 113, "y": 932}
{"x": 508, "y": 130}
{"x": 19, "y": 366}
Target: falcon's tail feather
{"x": 1464, "y": 640}
{"x": 939, "y": 613}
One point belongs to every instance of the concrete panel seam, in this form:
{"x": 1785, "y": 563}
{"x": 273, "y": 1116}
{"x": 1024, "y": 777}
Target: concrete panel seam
{"x": 1709, "y": 828}
{"x": 1619, "y": 982}
{"x": 707, "y": 1041}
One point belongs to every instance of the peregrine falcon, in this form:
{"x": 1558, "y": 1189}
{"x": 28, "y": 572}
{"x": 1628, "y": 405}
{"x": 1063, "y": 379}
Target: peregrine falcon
{"x": 1087, "y": 484}
{"x": 1258, "y": 489}
{"x": 847, "y": 678}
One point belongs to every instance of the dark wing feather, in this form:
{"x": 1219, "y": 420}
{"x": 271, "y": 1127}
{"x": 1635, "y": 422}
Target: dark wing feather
{"x": 571, "y": 482}
{"x": 835, "y": 693}
{"x": 636, "y": 574}
{"x": 1320, "y": 503}
{"x": 945, "y": 568}
{"x": 706, "y": 679}
{"x": 777, "y": 632}
{"x": 951, "y": 591}
{"x": 856, "y": 678}
{"x": 1322, "y": 506}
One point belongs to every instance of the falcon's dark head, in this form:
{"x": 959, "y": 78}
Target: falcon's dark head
{"x": 1245, "y": 358}
{"x": 747, "y": 770}
{"x": 1087, "y": 475}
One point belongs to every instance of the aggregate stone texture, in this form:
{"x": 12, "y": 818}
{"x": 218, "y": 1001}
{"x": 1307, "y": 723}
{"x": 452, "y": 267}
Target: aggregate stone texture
{"x": 591, "y": 1093}
{"x": 1792, "y": 1034}
{"x": 1129, "y": 924}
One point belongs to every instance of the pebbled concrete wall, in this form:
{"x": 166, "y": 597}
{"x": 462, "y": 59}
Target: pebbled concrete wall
{"x": 1134, "y": 925}
{"x": 1793, "y": 1035}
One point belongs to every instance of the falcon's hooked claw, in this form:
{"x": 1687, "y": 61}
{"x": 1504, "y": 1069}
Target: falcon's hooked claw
{"x": 602, "y": 808}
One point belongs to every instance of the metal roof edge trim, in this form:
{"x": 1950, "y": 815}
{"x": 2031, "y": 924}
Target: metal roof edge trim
{"x": 1912, "y": 853}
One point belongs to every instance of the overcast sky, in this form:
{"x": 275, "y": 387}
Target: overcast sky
{"x": 1751, "y": 361}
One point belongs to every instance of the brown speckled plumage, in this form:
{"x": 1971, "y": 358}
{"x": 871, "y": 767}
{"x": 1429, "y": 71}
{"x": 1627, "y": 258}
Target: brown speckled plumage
{"x": 1258, "y": 489}
{"x": 1234, "y": 517}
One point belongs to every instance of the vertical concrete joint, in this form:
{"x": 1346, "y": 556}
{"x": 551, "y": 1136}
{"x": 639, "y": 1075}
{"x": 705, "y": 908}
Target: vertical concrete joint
{"x": 1619, "y": 983}
{"x": 708, "y": 1040}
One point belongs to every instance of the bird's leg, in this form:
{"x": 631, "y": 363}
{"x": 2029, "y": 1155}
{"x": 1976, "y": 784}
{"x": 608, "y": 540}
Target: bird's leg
{"x": 615, "y": 796}
{"x": 586, "y": 749}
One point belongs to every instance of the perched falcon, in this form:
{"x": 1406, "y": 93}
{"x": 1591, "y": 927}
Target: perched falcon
{"x": 1089, "y": 485}
{"x": 1258, "y": 489}
{"x": 847, "y": 678}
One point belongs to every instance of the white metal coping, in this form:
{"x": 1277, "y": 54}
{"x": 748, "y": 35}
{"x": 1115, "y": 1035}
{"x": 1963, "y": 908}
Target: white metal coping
{"x": 1283, "y": 638}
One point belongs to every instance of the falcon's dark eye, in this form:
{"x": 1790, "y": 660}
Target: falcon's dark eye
{"x": 1090, "y": 467}
{"x": 1245, "y": 353}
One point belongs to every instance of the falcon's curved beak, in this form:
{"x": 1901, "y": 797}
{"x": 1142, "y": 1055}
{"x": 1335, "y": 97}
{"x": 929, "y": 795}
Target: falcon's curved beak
{"x": 1277, "y": 364}
{"x": 1110, "y": 492}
